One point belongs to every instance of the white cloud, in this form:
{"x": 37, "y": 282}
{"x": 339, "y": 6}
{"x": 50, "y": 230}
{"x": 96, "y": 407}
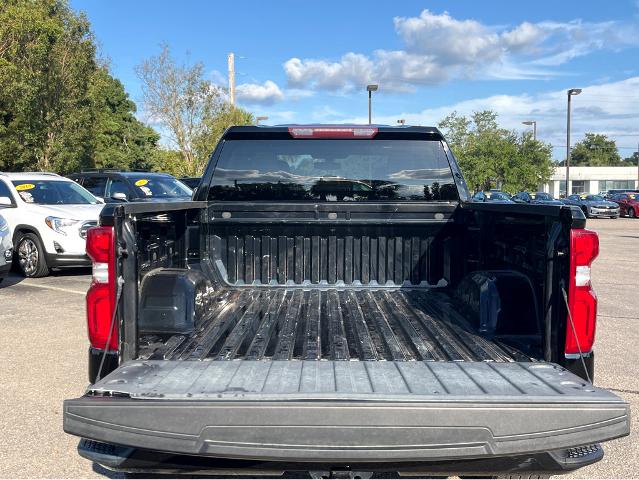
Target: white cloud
{"x": 438, "y": 47}
{"x": 218, "y": 78}
{"x": 282, "y": 116}
{"x": 449, "y": 40}
{"x": 351, "y": 69}
{"x": 608, "y": 108}
{"x": 254, "y": 93}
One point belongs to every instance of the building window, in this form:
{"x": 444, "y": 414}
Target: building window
{"x": 605, "y": 185}
{"x": 562, "y": 188}
{"x": 578, "y": 186}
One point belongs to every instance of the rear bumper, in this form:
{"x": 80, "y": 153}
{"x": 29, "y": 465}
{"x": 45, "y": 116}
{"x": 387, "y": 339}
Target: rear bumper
{"x": 62, "y": 260}
{"x": 126, "y": 459}
{"x": 346, "y": 431}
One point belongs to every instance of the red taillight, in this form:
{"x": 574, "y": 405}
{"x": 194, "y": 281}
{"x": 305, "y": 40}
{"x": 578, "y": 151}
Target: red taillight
{"x": 101, "y": 294}
{"x": 333, "y": 132}
{"x": 582, "y": 301}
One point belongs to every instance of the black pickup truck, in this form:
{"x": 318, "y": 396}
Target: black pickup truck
{"x": 333, "y": 303}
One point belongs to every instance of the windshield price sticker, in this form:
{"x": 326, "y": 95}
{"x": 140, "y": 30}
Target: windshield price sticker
{"x": 141, "y": 182}
{"x": 25, "y": 186}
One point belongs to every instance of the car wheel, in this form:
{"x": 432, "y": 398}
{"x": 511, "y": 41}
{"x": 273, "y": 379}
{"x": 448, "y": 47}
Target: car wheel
{"x": 31, "y": 259}
{"x": 631, "y": 213}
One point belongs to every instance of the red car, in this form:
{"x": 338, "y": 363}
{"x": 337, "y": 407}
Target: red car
{"x": 628, "y": 203}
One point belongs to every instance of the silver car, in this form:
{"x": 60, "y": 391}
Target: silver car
{"x": 593, "y": 205}
{"x": 6, "y": 248}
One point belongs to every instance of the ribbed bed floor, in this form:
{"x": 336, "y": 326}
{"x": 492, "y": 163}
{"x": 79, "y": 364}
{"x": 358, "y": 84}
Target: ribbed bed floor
{"x": 333, "y": 324}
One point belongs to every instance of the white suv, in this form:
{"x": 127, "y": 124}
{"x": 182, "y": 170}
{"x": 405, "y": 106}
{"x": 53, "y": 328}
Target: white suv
{"x": 48, "y": 216}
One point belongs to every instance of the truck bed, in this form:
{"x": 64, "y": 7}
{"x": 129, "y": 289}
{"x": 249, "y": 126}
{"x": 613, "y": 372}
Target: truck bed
{"x": 332, "y": 324}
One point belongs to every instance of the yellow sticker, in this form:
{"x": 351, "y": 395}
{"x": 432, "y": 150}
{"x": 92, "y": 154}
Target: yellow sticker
{"x": 25, "y": 186}
{"x": 142, "y": 182}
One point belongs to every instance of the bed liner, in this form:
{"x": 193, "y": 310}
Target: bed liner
{"x": 394, "y": 324}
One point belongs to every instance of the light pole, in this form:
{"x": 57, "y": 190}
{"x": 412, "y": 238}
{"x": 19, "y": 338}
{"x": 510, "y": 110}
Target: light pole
{"x": 259, "y": 119}
{"x": 370, "y": 89}
{"x": 534, "y": 125}
{"x": 571, "y": 92}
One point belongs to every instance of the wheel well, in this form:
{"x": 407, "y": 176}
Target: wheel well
{"x": 21, "y": 230}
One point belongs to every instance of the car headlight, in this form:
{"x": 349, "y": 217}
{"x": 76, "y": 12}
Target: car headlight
{"x": 58, "y": 224}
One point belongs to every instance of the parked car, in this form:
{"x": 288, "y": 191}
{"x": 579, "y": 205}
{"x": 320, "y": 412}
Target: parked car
{"x": 48, "y": 217}
{"x": 537, "y": 198}
{"x": 6, "y": 247}
{"x": 191, "y": 182}
{"x": 593, "y": 205}
{"x": 628, "y": 203}
{"x": 116, "y": 186}
{"x": 493, "y": 196}
{"x": 614, "y": 191}
{"x": 268, "y": 327}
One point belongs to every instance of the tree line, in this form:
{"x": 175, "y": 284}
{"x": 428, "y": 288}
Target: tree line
{"x": 62, "y": 110}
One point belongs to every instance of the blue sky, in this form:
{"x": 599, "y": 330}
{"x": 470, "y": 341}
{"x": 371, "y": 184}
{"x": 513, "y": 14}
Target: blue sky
{"x": 309, "y": 62}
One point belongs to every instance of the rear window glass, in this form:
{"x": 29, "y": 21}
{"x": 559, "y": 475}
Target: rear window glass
{"x": 542, "y": 196}
{"x": 53, "y": 192}
{"x": 158, "y": 186}
{"x": 332, "y": 171}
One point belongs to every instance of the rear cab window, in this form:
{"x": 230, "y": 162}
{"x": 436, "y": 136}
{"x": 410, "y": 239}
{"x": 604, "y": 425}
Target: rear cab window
{"x": 333, "y": 170}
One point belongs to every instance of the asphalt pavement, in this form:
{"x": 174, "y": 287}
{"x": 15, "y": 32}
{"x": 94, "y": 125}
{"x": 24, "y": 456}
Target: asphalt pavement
{"x": 43, "y": 347}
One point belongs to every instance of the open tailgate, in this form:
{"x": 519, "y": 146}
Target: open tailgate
{"x": 346, "y": 411}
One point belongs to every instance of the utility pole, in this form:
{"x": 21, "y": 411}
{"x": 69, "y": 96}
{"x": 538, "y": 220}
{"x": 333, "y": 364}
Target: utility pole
{"x": 571, "y": 92}
{"x": 232, "y": 78}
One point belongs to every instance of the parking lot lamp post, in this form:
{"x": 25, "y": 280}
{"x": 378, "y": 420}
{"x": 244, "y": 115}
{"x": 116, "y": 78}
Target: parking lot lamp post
{"x": 534, "y": 125}
{"x": 571, "y": 92}
{"x": 370, "y": 89}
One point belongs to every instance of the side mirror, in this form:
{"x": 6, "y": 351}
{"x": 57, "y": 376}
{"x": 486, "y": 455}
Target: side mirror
{"x": 6, "y": 201}
{"x": 119, "y": 196}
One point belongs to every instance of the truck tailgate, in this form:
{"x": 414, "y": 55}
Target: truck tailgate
{"x": 346, "y": 410}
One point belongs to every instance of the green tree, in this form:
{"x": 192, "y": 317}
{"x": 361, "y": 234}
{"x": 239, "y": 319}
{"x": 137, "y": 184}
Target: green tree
{"x": 595, "y": 150}
{"x": 47, "y": 58}
{"x": 179, "y": 98}
{"x": 631, "y": 160}
{"x": 60, "y": 110}
{"x": 215, "y": 124}
{"x": 119, "y": 139}
{"x": 492, "y": 156}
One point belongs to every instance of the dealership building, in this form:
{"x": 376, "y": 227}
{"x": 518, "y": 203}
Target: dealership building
{"x": 592, "y": 180}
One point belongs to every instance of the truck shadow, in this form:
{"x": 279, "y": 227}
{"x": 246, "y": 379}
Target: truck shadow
{"x": 14, "y": 278}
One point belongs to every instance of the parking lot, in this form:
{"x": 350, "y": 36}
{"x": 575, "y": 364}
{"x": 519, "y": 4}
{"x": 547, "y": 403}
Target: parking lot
{"x": 43, "y": 356}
